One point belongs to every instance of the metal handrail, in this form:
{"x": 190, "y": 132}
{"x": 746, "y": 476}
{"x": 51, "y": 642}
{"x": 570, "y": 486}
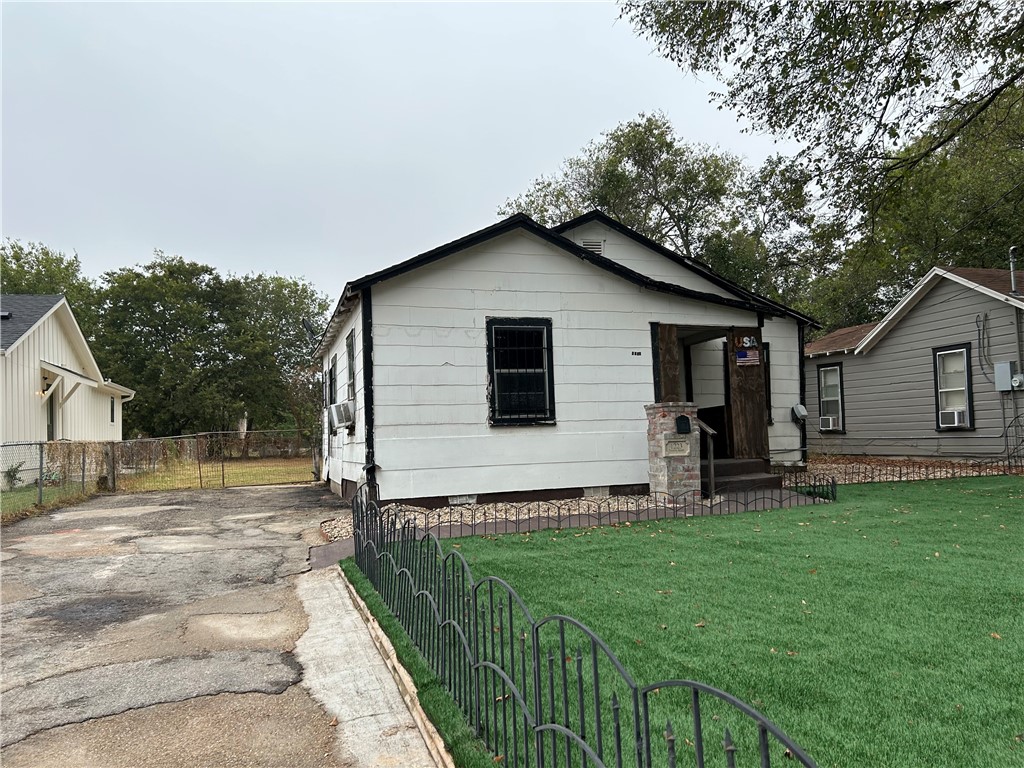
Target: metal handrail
{"x": 711, "y": 453}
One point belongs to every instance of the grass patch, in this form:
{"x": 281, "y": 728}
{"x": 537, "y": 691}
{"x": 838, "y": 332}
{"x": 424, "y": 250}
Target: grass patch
{"x": 465, "y": 748}
{"x": 885, "y": 629}
{"x": 232, "y": 473}
{"x": 21, "y": 503}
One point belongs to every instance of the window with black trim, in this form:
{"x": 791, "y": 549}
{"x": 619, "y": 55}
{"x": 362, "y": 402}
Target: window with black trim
{"x": 332, "y": 381}
{"x": 830, "y": 398}
{"x": 954, "y": 406}
{"x": 112, "y": 418}
{"x": 766, "y": 362}
{"x": 350, "y": 361}
{"x": 520, "y": 366}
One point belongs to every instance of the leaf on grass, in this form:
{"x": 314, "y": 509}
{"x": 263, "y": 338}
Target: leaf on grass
{"x": 792, "y": 653}
{"x": 813, "y": 571}
{"x": 995, "y": 636}
{"x": 498, "y": 758}
{"x": 663, "y": 626}
{"x": 701, "y": 624}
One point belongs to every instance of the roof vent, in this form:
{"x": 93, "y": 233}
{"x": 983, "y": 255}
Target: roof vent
{"x": 5, "y": 315}
{"x": 595, "y": 246}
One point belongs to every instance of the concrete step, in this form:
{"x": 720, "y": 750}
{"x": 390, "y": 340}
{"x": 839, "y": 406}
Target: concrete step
{"x": 729, "y": 467}
{"x": 745, "y": 482}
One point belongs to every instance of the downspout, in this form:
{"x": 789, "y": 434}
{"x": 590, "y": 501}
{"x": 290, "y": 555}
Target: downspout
{"x": 370, "y": 467}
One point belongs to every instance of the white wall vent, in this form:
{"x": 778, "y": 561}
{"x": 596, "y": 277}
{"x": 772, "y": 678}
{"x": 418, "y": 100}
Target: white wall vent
{"x": 595, "y": 246}
{"x": 826, "y": 423}
{"x": 952, "y": 418}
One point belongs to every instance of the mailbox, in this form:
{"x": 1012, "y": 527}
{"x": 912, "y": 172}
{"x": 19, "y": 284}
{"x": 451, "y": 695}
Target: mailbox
{"x": 682, "y": 425}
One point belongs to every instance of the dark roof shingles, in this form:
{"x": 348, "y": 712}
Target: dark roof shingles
{"x": 26, "y": 310}
{"x": 838, "y": 341}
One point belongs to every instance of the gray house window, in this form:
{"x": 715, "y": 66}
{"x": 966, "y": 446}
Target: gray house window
{"x": 830, "y": 398}
{"x": 521, "y": 370}
{"x": 112, "y": 419}
{"x": 954, "y": 404}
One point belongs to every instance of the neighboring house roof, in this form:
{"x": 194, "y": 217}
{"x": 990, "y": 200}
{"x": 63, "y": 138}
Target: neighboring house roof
{"x": 993, "y": 283}
{"x": 838, "y": 342}
{"x": 745, "y": 300}
{"x": 693, "y": 265}
{"x": 21, "y": 312}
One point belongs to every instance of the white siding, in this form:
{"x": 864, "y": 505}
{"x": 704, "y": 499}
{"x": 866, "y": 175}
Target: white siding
{"x": 430, "y": 371}
{"x": 85, "y": 415}
{"x": 345, "y": 454}
{"x": 785, "y": 359}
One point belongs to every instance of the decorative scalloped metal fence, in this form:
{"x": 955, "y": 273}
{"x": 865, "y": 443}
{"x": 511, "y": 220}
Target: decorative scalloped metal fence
{"x": 546, "y": 692}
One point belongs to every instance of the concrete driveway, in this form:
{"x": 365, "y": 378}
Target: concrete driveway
{"x": 159, "y": 630}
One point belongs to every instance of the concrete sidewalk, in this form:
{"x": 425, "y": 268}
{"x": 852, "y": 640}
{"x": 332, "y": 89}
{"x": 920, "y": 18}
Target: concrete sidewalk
{"x": 344, "y": 671}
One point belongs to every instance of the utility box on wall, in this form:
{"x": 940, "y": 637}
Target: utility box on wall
{"x": 1008, "y": 377}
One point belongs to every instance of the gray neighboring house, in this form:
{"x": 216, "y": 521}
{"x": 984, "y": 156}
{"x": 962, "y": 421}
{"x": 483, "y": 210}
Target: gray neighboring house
{"x": 937, "y": 377}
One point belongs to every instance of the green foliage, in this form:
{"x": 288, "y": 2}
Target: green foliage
{"x": 877, "y": 630}
{"x": 12, "y": 476}
{"x": 853, "y": 82}
{"x": 756, "y": 227}
{"x": 642, "y": 174}
{"x": 34, "y": 268}
{"x": 204, "y": 351}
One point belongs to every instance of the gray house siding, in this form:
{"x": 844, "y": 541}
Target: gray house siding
{"x": 889, "y": 400}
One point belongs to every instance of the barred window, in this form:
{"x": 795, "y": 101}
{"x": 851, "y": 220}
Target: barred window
{"x": 520, "y": 365}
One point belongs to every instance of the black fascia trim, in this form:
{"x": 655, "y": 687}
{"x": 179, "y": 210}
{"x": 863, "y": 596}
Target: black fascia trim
{"x": 690, "y": 263}
{"x": 503, "y": 322}
{"x": 842, "y": 398}
{"x": 966, "y": 347}
{"x": 367, "y": 333}
{"x": 656, "y": 359}
{"x": 522, "y": 221}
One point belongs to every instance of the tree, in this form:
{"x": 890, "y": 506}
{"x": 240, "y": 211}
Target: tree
{"x": 162, "y": 333}
{"x": 34, "y": 268}
{"x": 204, "y": 351}
{"x": 755, "y": 227}
{"x": 642, "y": 174}
{"x": 855, "y": 82}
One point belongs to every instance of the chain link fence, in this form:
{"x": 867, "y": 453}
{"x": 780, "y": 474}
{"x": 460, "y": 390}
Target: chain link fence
{"x": 45, "y": 474}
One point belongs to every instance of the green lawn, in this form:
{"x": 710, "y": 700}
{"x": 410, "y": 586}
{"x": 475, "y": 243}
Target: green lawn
{"x": 886, "y": 629}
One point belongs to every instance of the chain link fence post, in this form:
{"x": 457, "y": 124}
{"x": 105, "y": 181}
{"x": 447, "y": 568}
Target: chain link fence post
{"x": 39, "y": 477}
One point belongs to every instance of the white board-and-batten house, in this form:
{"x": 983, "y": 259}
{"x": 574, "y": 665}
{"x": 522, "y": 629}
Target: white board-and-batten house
{"x": 939, "y": 376}
{"x": 52, "y": 386}
{"x": 516, "y": 362}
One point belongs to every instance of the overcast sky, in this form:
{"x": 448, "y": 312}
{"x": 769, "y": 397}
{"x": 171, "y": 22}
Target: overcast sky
{"x": 315, "y": 140}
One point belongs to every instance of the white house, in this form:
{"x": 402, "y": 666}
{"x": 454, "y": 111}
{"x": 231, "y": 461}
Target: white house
{"x": 516, "y": 362}
{"x": 52, "y": 387}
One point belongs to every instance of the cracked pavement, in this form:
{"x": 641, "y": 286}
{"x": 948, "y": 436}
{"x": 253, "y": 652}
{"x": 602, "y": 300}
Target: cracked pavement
{"x": 159, "y": 629}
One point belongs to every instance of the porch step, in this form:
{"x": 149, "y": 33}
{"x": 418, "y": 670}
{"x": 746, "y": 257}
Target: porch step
{"x": 739, "y": 483}
{"x": 729, "y": 467}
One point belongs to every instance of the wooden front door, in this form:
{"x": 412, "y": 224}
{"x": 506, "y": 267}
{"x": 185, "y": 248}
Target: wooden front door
{"x": 748, "y": 424}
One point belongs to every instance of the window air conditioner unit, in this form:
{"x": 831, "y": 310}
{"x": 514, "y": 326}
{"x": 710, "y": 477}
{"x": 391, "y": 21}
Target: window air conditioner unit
{"x": 826, "y": 423}
{"x": 952, "y": 418}
{"x": 340, "y": 414}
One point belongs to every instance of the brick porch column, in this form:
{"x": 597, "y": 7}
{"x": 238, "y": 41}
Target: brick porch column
{"x": 674, "y": 459}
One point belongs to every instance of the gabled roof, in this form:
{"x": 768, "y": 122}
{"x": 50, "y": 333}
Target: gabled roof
{"x": 693, "y": 265}
{"x": 993, "y": 283}
{"x": 26, "y": 310}
{"x": 840, "y": 341}
{"x": 520, "y": 221}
